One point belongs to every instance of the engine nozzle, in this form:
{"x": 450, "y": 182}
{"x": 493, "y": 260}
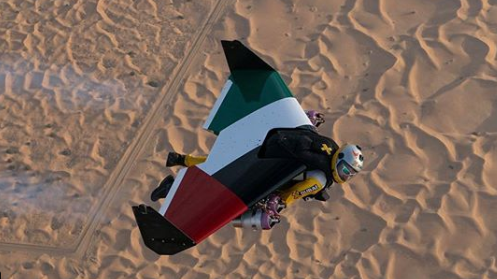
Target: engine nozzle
{"x": 256, "y": 219}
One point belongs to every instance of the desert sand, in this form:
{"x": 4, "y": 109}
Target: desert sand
{"x": 94, "y": 94}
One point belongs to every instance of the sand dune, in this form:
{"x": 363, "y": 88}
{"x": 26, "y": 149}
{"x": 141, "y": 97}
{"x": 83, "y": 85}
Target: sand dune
{"x": 93, "y": 94}
{"x": 77, "y": 82}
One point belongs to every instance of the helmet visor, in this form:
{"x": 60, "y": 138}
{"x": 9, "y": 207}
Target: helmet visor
{"x": 345, "y": 171}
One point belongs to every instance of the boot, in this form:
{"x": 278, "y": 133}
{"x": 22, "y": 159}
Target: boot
{"x": 163, "y": 189}
{"x": 175, "y": 159}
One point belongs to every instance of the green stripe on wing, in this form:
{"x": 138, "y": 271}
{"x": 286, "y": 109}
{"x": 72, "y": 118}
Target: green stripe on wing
{"x": 250, "y": 91}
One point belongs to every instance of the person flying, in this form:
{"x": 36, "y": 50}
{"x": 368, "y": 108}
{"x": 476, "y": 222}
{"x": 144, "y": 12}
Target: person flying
{"x": 326, "y": 162}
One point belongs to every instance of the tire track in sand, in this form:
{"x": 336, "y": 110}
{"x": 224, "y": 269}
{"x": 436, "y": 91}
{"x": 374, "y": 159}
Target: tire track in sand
{"x": 133, "y": 152}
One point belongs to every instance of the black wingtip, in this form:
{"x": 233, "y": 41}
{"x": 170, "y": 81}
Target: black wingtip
{"x": 158, "y": 233}
{"x": 240, "y": 57}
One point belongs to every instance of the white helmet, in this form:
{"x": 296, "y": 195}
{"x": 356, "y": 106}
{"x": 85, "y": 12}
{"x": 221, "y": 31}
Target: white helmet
{"x": 347, "y": 162}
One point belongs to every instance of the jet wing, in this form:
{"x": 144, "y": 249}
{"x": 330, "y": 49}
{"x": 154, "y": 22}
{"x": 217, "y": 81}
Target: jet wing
{"x": 206, "y": 197}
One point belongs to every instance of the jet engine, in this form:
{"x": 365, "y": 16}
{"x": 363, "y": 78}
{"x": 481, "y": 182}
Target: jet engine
{"x": 257, "y": 219}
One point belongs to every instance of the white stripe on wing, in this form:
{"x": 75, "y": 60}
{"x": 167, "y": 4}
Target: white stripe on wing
{"x": 218, "y": 103}
{"x": 172, "y": 192}
{"x": 249, "y": 132}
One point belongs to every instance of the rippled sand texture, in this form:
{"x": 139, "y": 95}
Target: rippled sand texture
{"x": 77, "y": 79}
{"x": 414, "y": 82}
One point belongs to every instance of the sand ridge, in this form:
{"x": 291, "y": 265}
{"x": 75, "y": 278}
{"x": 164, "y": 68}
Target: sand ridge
{"x": 413, "y": 83}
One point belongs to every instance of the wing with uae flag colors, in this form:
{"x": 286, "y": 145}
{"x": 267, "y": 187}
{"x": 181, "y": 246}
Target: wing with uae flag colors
{"x": 205, "y": 197}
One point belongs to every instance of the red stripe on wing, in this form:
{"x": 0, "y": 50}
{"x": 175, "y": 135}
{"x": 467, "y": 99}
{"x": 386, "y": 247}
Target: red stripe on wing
{"x": 202, "y": 205}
